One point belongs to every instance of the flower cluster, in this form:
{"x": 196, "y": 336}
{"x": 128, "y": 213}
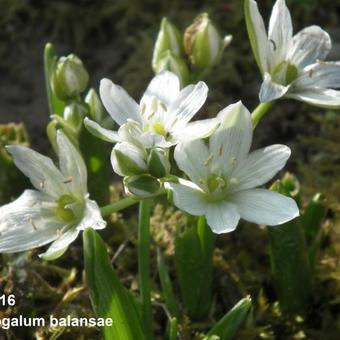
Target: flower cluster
{"x": 292, "y": 66}
{"x": 206, "y": 164}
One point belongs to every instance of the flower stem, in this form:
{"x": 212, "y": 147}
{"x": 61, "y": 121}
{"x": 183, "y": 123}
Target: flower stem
{"x": 144, "y": 264}
{"x": 259, "y": 112}
{"x": 120, "y": 205}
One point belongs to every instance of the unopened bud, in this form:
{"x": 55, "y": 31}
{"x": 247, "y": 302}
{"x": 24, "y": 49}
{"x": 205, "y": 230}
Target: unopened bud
{"x": 171, "y": 62}
{"x": 158, "y": 163}
{"x": 203, "y": 43}
{"x": 74, "y": 114}
{"x": 168, "y": 39}
{"x": 142, "y": 186}
{"x": 127, "y": 159}
{"x": 96, "y": 108}
{"x": 70, "y": 78}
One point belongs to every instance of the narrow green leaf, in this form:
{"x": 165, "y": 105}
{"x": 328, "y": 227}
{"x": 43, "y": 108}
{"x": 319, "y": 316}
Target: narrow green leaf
{"x": 108, "y": 296}
{"x": 312, "y": 222}
{"x": 289, "y": 261}
{"x": 193, "y": 258}
{"x": 55, "y": 105}
{"x": 313, "y": 216}
{"x": 167, "y": 290}
{"x": 227, "y": 327}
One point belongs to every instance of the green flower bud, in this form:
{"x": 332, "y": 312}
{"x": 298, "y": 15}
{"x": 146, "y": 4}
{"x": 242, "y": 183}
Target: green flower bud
{"x": 74, "y": 114}
{"x": 142, "y": 186}
{"x": 171, "y": 62}
{"x": 169, "y": 38}
{"x": 97, "y": 111}
{"x": 70, "y": 78}
{"x": 203, "y": 43}
{"x": 128, "y": 159}
{"x": 158, "y": 163}
{"x": 11, "y": 133}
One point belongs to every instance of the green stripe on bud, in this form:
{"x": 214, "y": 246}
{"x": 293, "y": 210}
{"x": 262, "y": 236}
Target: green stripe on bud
{"x": 168, "y": 39}
{"x": 170, "y": 62}
{"x": 142, "y": 186}
{"x": 96, "y": 108}
{"x": 203, "y": 43}
{"x": 158, "y": 163}
{"x": 127, "y": 159}
{"x": 70, "y": 78}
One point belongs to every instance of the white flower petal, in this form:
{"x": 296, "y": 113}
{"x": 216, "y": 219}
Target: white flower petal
{"x": 188, "y": 102}
{"x": 257, "y": 34}
{"x": 260, "y": 166}
{"x": 265, "y": 207}
{"x": 270, "y": 90}
{"x": 309, "y": 45}
{"x": 60, "y": 245}
{"x": 39, "y": 169}
{"x": 164, "y": 86}
{"x": 118, "y": 103}
{"x": 319, "y": 97}
{"x": 191, "y": 158}
{"x": 196, "y": 130}
{"x": 92, "y": 217}
{"x": 26, "y": 224}
{"x": 72, "y": 165}
{"x": 96, "y": 130}
{"x": 188, "y": 197}
{"x": 222, "y": 217}
{"x": 319, "y": 75}
{"x": 231, "y": 142}
{"x": 280, "y": 33}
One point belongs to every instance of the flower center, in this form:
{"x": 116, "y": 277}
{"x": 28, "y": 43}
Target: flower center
{"x": 62, "y": 211}
{"x": 216, "y": 183}
{"x": 285, "y": 73}
{"x": 159, "y": 129}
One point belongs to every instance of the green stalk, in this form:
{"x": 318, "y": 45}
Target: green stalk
{"x": 144, "y": 264}
{"x": 118, "y": 206}
{"x": 259, "y": 112}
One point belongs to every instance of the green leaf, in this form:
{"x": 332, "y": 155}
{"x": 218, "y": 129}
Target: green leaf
{"x": 193, "y": 258}
{"x": 108, "y": 296}
{"x": 167, "y": 290}
{"x": 55, "y": 105}
{"x": 312, "y": 222}
{"x": 289, "y": 261}
{"x": 227, "y": 327}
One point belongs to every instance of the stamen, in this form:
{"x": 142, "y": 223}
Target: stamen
{"x": 142, "y": 109}
{"x": 208, "y": 160}
{"x": 68, "y": 180}
{"x": 161, "y": 104}
{"x": 220, "y": 150}
{"x": 174, "y": 122}
{"x": 33, "y": 225}
{"x": 233, "y": 161}
{"x": 151, "y": 114}
{"x": 233, "y": 180}
{"x": 310, "y": 74}
{"x": 274, "y": 44}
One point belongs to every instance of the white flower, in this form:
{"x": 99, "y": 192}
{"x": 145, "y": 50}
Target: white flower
{"x": 292, "y": 65}
{"x": 162, "y": 117}
{"x": 224, "y": 176}
{"x": 57, "y": 211}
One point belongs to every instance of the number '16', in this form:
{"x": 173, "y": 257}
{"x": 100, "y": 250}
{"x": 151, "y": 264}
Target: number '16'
{"x": 7, "y": 300}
